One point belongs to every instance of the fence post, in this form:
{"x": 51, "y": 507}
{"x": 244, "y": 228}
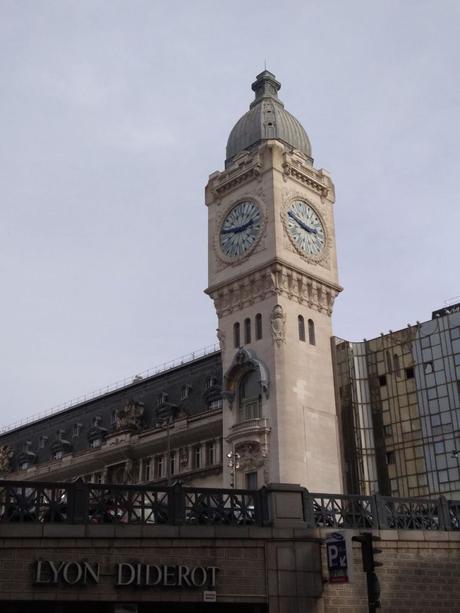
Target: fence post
{"x": 445, "y": 522}
{"x": 176, "y": 499}
{"x": 78, "y": 502}
{"x": 308, "y": 509}
{"x": 380, "y": 514}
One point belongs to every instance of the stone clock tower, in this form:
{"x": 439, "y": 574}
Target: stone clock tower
{"x": 273, "y": 280}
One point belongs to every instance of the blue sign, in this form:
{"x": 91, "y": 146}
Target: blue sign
{"x": 337, "y": 562}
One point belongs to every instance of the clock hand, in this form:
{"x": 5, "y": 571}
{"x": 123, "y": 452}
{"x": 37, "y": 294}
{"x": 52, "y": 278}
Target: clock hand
{"x": 237, "y": 229}
{"x": 302, "y": 224}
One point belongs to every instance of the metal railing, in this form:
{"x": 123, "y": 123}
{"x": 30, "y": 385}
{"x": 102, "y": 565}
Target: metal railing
{"x": 382, "y": 512}
{"x": 87, "y": 503}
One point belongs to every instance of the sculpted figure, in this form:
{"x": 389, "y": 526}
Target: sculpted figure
{"x": 278, "y": 323}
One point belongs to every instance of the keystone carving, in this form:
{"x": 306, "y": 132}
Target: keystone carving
{"x": 252, "y": 455}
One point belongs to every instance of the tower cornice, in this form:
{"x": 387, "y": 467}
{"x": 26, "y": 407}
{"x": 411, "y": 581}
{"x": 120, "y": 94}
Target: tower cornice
{"x": 276, "y": 277}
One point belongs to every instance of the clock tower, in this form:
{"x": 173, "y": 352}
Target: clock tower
{"x": 273, "y": 280}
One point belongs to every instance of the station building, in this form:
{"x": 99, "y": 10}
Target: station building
{"x": 198, "y": 486}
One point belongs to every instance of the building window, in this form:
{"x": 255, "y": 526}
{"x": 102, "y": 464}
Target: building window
{"x": 185, "y": 391}
{"x": 391, "y": 457}
{"x": 249, "y": 397}
{"x": 301, "y": 323}
{"x": 24, "y": 465}
{"x": 57, "y": 455}
{"x": 211, "y": 453}
{"x": 382, "y": 380}
{"x": 247, "y": 331}
{"x": 258, "y": 327}
{"x": 76, "y": 430}
{"x": 311, "y": 332}
{"x": 97, "y": 420}
{"x": 251, "y": 481}
{"x": 113, "y": 418}
{"x": 159, "y": 466}
{"x": 146, "y": 469}
{"x": 211, "y": 382}
{"x": 162, "y": 399}
{"x": 42, "y": 441}
{"x": 197, "y": 456}
{"x": 397, "y": 365}
{"x": 236, "y": 335}
{"x": 95, "y": 442}
{"x": 214, "y": 405}
{"x": 410, "y": 372}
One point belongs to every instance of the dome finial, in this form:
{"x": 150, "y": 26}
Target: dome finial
{"x": 266, "y": 86}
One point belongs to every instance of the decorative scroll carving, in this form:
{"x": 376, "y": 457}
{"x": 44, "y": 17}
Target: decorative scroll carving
{"x": 6, "y": 454}
{"x": 276, "y": 279}
{"x": 129, "y": 416}
{"x": 278, "y": 323}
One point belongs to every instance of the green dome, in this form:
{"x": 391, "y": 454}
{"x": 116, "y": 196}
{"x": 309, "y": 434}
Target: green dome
{"x": 266, "y": 119}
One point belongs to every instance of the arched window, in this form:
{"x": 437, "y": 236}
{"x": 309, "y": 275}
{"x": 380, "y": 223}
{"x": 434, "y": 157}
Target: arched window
{"x": 236, "y": 335}
{"x": 311, "y": 332}
{"x": 249, "y": 396}
{"x": 258, "y": 327}
{"x": 247, "y": 331}
{"x": 301, "y": 322}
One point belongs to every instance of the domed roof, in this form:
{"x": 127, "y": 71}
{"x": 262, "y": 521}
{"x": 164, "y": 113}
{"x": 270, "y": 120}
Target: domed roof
{"x": 266, "y": 119}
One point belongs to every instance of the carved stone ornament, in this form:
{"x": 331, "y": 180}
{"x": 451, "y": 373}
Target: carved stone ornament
{"x": 275, "y": 279}
{"x": 6, "y": 453}
{"x": 278, "y": 323}
{"x": 221, "y": 339}
{"x": 129, "y": 416}
{"x": 252, "y": 455}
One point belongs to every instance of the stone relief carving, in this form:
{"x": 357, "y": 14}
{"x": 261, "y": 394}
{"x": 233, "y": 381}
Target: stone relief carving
{"x": 276, "y": 279}
{"x": 129, "y": 416}
{"x": 278, "y": 323}
{"x": 6, "y": 454}
{"x": 252, "y": 455}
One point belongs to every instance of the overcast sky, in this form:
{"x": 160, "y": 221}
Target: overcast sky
{"x": 113, "y": 114}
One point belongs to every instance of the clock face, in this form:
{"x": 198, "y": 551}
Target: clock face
{"x": 305, "y": 228}
{"x": 240, "y": 229}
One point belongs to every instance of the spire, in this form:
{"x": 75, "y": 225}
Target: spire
{"x": 266, "y": 86}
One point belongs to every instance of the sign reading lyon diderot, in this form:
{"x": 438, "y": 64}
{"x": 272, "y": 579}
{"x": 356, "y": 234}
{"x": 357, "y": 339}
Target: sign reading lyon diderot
{"x": 125, "y": 574}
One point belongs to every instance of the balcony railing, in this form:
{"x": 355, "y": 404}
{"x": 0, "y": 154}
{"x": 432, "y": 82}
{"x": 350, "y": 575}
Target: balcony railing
{"x": 84, "y": 503}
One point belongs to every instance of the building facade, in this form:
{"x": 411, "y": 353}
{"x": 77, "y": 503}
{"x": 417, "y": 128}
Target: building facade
{"x": 277, "y": 402}
{"x": 398, "y": 398}
{"x": 265, "y": 403}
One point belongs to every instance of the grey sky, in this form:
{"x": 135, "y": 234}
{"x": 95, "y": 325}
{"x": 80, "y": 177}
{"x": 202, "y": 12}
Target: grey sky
{"x": 114, "y": 113}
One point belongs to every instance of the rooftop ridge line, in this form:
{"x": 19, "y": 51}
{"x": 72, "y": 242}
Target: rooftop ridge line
{"x": 113, "y": 387}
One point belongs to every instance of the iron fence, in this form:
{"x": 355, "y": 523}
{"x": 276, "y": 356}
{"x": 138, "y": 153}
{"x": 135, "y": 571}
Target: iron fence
{"x": 80, "y": 502}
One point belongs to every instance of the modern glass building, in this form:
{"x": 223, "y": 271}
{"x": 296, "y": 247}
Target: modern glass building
{"x": 398, "y": 400}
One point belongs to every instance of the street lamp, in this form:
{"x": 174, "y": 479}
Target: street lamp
{"x": 233, "y": 462}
